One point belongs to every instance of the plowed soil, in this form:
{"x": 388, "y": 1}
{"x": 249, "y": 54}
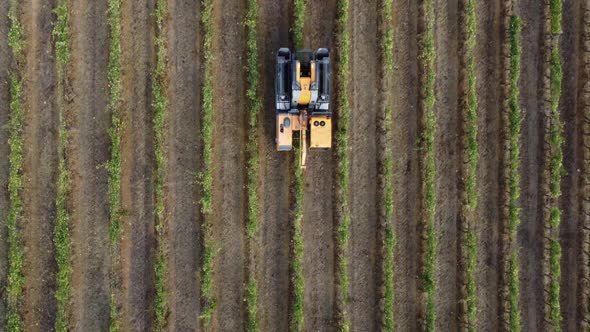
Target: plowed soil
{"x": 88, "y": 154}
{"x": 137, "y": 183}
{"x": 273, "y": 249}
{"x": 269, "y": 254}
{"x": 40, "y": 165}
{"x": 183, "y": 147}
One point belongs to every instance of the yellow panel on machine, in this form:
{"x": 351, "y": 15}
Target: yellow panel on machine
{"x": 321, "y": 131}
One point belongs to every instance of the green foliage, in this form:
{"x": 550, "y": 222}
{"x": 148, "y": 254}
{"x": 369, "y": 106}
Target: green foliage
{"x": 388, "y": 274}
{"x": 470, "y": 244}
{"x": 209, "y": 303}
{"x": 343, "y": 74}
{"x": 554, "y": 266}
{"x": 299, "y": 7}
{"x": 515, "y": 118}
{"x": 429, "y": 171}
{"x": 556, "y": 169}
{"x": 255, "y": 107}
{"x": 14, "y": 289}
{"x": 513, "y": 293}
{"x": 115, "y": 132}
{"x": 388, "y": 199}
{"x": 387, "y": 43}
{"x": 555, "y": 11}
{"x": 61, "y": 236}
{"x": 389, "y": 240}
{"x": 61, "y": 33}
{"x": 115, "y": 90}
{"x": 472, "y": 106}
{"x": 160, "y": 107}
{"x": 251, "y": 299}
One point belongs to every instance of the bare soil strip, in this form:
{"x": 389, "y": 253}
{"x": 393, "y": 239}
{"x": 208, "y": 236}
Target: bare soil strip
{"x": 183, "y": 148}
{"x": 572, "y": 150}
{"x": 447, "y": 147}
{"x": 530, "y": 231}
{"x": 89, "y": 153}
{"x": 363, "y": 252}
{"x": 229, "y": 145}
{"x": 276, "y": 170}
{"x": 138, "y": 167}
{"x": 318, "y": 223}
{"x": 488, "y": 60}
{"x": 584, "y": 114}
{"x": 40, "y": 166}
{"x": 5, "y": 60}
{"x": 405, "y": 175}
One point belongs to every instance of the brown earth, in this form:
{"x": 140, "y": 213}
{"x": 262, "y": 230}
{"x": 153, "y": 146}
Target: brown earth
{"x": 183, "y": 148}
{"x": 138, "y": 167}
{"x": 364, "y": 109}
{"x": 88, "y": 153}
{"x": 568, "y": 233}
{"x": 406, "y": 168}
{"x": 487, "y": 53}
{"x": 276, "y": 170}
{"x": 5, "y": 65}
{"x": 89, "y": 149}
{"x": 584, "y": 130}
{"x": 39, "y": 167}
{"x": 448, "y": 163}
{"x": 229, "y": 172}
{"x": 530, "y": 231}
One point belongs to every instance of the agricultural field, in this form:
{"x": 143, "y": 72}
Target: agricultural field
{"x": 141, "y": 189}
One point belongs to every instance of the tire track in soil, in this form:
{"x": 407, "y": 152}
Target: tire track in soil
{"x": 487, "y": 54}
{"x": 530, "y": 231}
{"x": 568, "y": 233}
{"x": 365, "y": 68}
{"x": 319, "y": 260}
{"x": 406, "y": 181}
{"x": 183, "y": 150}
{"x": 229, "y": 172}
{"x": 447, "y": 153}
{"x": 88, "y": 155}
{"x": 5, "y": 60}
{"x": 276, "y": 170}
{"x": 138, "y": 166}
{"x": 584, "y": 114}
{"x": 39, "y": 166}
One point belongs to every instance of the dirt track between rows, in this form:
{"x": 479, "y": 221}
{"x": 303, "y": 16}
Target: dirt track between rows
{"x": 183, "y": 145}
{"x": 40, "y": 165}
{"x": 273, "y": 251}
{"x": 365, "y": 107}
{"x": 138, "y": 171}
{"x": 87, "y": 157}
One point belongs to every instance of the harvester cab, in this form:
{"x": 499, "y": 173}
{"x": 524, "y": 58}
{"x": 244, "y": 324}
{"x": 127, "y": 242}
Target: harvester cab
{"x": 303, "y": 100}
